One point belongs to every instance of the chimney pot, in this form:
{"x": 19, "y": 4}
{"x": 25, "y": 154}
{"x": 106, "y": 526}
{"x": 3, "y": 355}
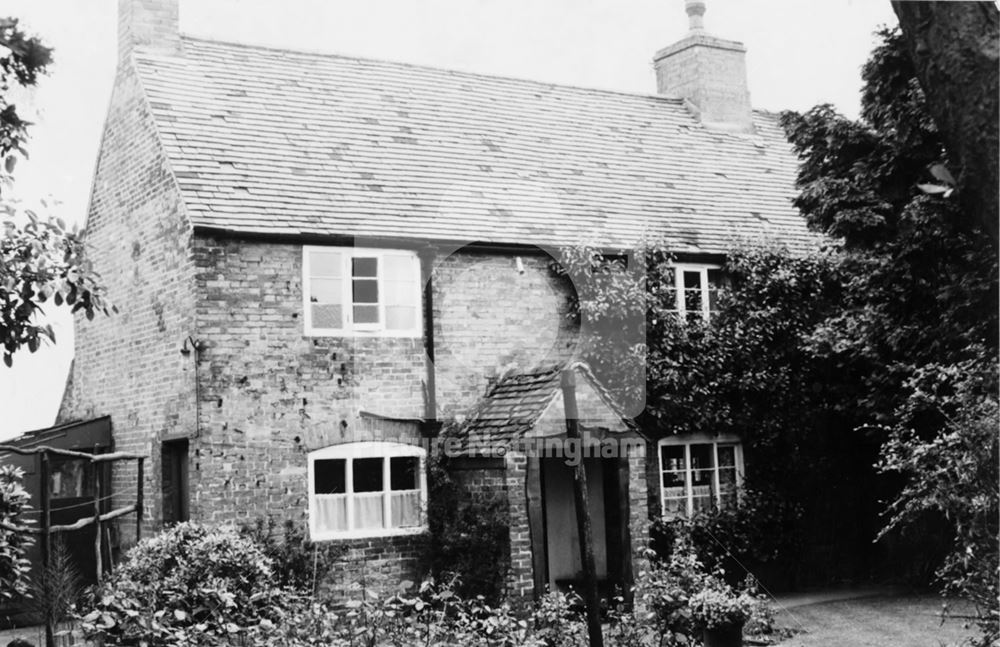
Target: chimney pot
{"x": 696, "y": 12}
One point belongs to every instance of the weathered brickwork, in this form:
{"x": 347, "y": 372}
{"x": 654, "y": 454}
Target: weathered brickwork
{"x": 129, "y": 365}
{"x": 150, "y": 23}
{"x": 520, "y": 581}
{"x": 490, "y": 315}
{"x": 377, "y": 565}
{"x": 269, "y": 395}
{"x": 709, "y": 72}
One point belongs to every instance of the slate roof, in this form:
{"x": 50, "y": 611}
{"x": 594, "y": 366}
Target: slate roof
{"x": 282, "y": 142}
{"x": 514, "y": 404}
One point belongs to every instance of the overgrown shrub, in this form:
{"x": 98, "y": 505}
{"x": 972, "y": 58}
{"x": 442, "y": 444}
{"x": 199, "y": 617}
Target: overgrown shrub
{"x": 189, "y": 585}
{"x": 760, "y": 537}
{"x": 469, "y": 536}
{"x": 14, "y": 566}
{"x": 297, "y": 562}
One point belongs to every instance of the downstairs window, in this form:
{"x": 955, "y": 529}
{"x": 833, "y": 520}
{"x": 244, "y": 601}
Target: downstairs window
{"x": 366, "y": 489}
{"x": 699, "y": 472}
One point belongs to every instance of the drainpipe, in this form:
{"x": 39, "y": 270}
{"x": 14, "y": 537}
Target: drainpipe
{"x": 427, "y": 257}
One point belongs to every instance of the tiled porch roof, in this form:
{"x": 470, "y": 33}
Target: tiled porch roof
{"x": 515, "y": 403}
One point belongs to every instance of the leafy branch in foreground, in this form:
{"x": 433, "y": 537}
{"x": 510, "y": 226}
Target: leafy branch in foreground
{"x": 40, "y": 263}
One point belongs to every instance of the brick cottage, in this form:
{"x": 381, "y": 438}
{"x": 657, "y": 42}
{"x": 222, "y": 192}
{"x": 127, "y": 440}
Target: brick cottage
{"x": 320, "y": 260}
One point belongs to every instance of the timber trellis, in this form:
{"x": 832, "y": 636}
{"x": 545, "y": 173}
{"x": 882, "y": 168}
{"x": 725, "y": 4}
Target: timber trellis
{"x": 98, "y": 519}
{"x": 47, "y": 529}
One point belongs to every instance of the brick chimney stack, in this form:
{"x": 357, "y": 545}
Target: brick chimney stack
{"x": 150, "y": 24}
{"x": 709, "y": 72}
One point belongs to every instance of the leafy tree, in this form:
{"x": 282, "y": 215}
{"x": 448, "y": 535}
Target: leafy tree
{"x": 919, "y": 316}
{"x": 955, "y": 48}
{"x": 22, "y": 60}
{"x": 40, "y": 261}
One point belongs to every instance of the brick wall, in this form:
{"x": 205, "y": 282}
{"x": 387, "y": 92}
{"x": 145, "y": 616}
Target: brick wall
{"x": 269, "y": 394}
{"x": 150, "y": 23}
{"x": 488, "y": 316}
{"x": 128, "y": 365}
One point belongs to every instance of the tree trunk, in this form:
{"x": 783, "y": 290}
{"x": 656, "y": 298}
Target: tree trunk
{"x": 955, "y": 48}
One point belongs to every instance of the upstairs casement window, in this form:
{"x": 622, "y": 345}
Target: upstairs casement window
{"x": 699, "y": 473}
{"x": 368, "y": 489}
{"x": 359, "y": 291}
{"x": 696, "y": 290}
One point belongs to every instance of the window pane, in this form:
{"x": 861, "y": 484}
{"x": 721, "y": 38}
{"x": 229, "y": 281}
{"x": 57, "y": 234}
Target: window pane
{"x": 727, "y": 487}
{"x": 701, "y": 457}
{"x": 673, "y": 479}
{"x": 400, "y": 267}
{"x": 330, "y": 476}
{"x": 366, "y": 314}
{"x": 368, "y": 474}
{"x": 327, "y": 316}
{"x": 702, "y": 476}
{"x": 675, "y": 506}
{"x": 727, "y": 455}
{"x": 364, "y": 267}
{"x": 329, "y": 264}
{"x": 71, "y": 479}
{"x": 326, "y": 291}
{"x": 365, "y": 291}
{"x": 673, "y": 457}
{"x": 400, "y": 293}
{"x": 404, "y": 472}
{"x": 692, "y": 291}
{"x": 405, "y": 509}
{"x": 368, "y": 509}
{"x": 331, "y": 512}
{"x": 400, "y": 317}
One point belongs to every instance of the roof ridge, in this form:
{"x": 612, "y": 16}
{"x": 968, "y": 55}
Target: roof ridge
{"x": 433, "y": 68}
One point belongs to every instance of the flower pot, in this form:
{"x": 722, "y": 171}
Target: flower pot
{"x": 725, "y": 636}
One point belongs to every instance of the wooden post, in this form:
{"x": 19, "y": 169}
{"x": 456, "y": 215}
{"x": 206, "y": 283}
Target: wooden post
{"x": 98, "y": 564}
{"x": 46, "y": 496}
{"x": 580, "y": 497}
{"x": 138, "y": 502}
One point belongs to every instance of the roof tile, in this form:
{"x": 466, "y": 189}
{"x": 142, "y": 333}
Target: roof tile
{"x": 323, "y": 144}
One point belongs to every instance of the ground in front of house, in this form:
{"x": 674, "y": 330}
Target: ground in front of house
{"x": 897, "y": 620}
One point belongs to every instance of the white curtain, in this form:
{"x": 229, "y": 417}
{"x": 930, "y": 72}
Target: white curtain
{"x": 369, "y": 510}
{"x": 331, "y": 512}
{"x": 405, "y": 508}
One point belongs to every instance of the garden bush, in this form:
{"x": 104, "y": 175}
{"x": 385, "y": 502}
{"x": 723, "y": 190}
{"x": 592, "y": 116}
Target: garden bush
{"x": 14, "y": 566}
{"x": 188, "y": 585}
{"x": 757, "y": 538}
{"x": 297, "y": 562}
{"x": 682, "y": 597}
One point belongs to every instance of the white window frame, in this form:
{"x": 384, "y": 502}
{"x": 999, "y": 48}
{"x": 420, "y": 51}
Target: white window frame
{"x": 686, "y": 441}
{"x": 679, "y": 290}
{"x": 373, "y": 449}
{"x": 350, "y": 328}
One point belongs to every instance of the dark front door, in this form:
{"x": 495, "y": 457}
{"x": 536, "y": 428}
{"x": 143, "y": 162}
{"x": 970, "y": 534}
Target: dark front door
{"x": 174, "y": 465}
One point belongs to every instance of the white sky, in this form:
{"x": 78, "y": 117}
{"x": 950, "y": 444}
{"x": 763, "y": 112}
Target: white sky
{"x": 800, "y": 53}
